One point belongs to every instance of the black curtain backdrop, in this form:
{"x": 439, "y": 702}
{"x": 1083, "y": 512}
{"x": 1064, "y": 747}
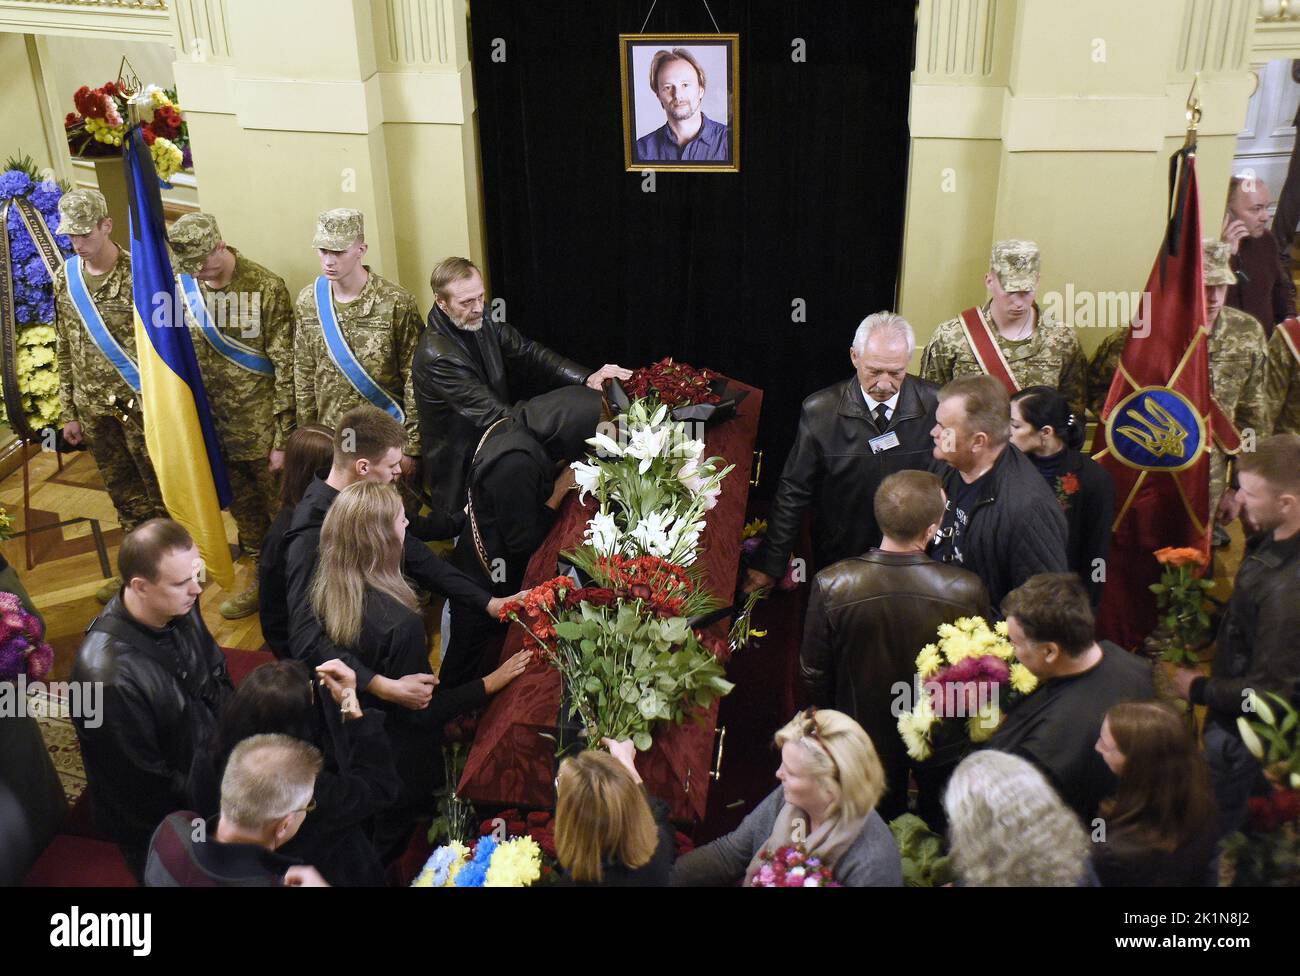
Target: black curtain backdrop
{"x": 708, "y": 267}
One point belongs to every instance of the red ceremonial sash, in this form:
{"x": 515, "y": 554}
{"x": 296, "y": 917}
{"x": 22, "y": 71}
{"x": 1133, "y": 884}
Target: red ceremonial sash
{"x": 1290, "y": 330}
{"x": 986, "y": 349}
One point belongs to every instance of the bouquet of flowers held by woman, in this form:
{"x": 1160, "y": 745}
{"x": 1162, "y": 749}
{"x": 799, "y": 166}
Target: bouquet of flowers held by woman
{"x": 792, "y": 867}
{"x": 623, "y": 645}
{"x": 971, "y": 672}
{"x": 653, "y": 489}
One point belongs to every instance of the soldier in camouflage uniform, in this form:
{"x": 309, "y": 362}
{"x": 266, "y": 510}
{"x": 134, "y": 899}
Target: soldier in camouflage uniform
{"x": 380, "y": 321}
{"x": 1238, "y": 355}
{"x": 99, "y": 406}
{"x": 1039, "y": 350}
{"x": 1282, "y": 391}
{"x": 253, "y": 412}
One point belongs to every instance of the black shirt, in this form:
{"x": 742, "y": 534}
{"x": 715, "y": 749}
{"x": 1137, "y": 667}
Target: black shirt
{"x": 956, "y": 517}
{"x": 1056, "y": 726}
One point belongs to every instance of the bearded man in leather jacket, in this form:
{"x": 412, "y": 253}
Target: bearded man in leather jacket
{"x": 851, "y": 437}
{"x": 164, "y": 680}
{"x": 461, "y": 382}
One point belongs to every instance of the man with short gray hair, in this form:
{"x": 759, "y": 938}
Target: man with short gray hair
{"x": 851, "y": 437}
{"x": 266, "y": 795}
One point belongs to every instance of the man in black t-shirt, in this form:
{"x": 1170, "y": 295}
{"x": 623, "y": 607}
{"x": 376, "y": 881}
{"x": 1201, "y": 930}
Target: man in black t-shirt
{"x": 1050, "y": 623}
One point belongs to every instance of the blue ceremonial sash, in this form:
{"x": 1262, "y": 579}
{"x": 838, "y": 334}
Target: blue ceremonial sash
{"x": 97, "y": 330}
{"x": 232, "y": 349}
{"x": 345, "y": 359}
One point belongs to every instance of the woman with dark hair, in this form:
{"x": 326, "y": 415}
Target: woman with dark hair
{"x": 357, "y": 782}
{"x": 1161, "y": 826}
{"x": 309, "y": 448}
{"x": 1049, "y": 434}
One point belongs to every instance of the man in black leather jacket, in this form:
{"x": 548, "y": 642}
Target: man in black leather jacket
{"x": 851, "y": 437}
{"x": 868, "y": 618}
{"x": 164, "y": 680}
{"x": 1256, "y": 648}
{"x": 461, "y": 382}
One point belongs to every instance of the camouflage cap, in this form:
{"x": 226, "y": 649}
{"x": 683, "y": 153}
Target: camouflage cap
{"x": 80, "y": 210}
{"x": 1016, "y": 265}
{"x": 338, "y": 230}
{"x": 1214, "y": 263}
{"x": 193, "y": 237}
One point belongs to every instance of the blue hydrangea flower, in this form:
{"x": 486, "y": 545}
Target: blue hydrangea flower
{"x": 14, "y": 183}
{"x": 45, "y": 310}
{"x": 21, "y": 247}
{"x": 45, "y": 197}
{"x": 14, "y": 220}
{"x": 25, "y": 314}
{"x": 63, "y": 240}
{"x": 36, "y": 273}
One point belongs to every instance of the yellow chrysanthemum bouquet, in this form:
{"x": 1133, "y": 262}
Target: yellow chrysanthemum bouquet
{"x": 970, "y": 673}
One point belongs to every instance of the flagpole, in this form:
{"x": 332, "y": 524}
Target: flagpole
{"x": 1193, "y": 114}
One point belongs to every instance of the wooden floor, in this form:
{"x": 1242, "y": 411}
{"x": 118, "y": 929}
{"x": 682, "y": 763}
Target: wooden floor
{"x": 67, "y": 573}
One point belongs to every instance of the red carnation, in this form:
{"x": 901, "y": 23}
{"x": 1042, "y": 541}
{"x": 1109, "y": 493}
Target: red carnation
{"x": 1286, "y": 803}
{"x": 147, "y": 135}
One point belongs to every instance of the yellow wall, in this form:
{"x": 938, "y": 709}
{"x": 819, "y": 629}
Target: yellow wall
{"x": 1054, "y": 122}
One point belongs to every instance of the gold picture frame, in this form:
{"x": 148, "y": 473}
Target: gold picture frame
{"x": 648, "y": 132}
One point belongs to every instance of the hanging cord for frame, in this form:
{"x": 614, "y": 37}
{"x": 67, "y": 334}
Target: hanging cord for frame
{"x": 706, "y": 9}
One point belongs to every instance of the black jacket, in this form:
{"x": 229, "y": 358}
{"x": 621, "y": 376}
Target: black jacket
{"x": 307, "y": 641}
{"x": 273, "y": 587}
{"x": 868, "y": 617}
{"x": 357, "y": 781}
{"x": 1086, "y": 494}
{"x": 1125, "y": 859}
{"x": 1016, "y": 528}
{"x": 510, "y": 480}
{"x": 163, "y": 690}
{"x": 832, "y": 468}
{"x": 392, "y": 642}
{"x": 1257, "y": 636}
{"x": 458, "y": 399}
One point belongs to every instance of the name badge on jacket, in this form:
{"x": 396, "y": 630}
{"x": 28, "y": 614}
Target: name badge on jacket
{"x": 883, "y": 443}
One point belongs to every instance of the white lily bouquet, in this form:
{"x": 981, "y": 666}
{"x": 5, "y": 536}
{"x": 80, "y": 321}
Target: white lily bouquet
{"x": 653, "y": 484}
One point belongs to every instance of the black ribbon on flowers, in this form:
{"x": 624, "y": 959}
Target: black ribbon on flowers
{"x": 53, "y": 260}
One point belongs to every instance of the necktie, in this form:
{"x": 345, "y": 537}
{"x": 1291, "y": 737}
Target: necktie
{"x": 881, "y": 413}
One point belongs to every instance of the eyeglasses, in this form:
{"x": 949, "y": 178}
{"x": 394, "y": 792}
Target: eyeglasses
{"x": 811, "y": 731}
{"x": 311, "y": 805}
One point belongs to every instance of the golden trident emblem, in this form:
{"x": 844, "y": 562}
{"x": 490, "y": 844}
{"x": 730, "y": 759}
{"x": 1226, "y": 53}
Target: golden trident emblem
{"x": 1163, "y": 437}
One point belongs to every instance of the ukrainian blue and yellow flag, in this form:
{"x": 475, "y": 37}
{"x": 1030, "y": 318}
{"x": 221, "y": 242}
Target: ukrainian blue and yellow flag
{"x": 177, "y": 424}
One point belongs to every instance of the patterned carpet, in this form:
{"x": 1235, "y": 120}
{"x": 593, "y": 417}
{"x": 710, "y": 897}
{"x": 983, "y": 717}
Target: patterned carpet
{"x": 60, "y": 737}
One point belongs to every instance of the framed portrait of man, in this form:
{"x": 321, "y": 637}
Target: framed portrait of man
{"x": 681, "y": 95}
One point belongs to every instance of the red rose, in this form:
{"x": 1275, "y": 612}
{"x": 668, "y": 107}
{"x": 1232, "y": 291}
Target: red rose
{"x": 1286, "y": 804}
{"x": 147, "y": 135}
